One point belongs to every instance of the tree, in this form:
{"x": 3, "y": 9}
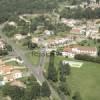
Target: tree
{"x": 88, "y": 1}
{"x": 76, "y": 96}
{"x": 9, "y": 30}
{"x": 64, "y": 69}
{"x": 98, "y": 51}
{"x": 73, "y": 2}
{"x": 3, "y": 52}
{"x": 63, "y": 86}
{"x": 31, "y": 45}
{"x": 67, "y": 69}
{"x": 45, "y": 90}
{"x": 32, "y": 91}
{"x": 97, "y": 1}
{"x": 35, "y": 90}
{"x": 17, "y": 7}
{"x": 62, "y": 77}
{"x": 8, "y": 47}
{"x": 52, "y": 72}
{"x": 13, "y": 91}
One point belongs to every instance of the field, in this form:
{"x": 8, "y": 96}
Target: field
{"x": 33, "y": 58}
{"x": 86, "y": 79}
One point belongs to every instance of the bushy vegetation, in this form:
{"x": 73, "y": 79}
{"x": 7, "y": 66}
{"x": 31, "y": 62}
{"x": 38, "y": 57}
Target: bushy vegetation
{"x": 79, "y": 13}
{"x": 33, "y": 90}
{"x": 87, "y": 58}
{"x": 15, "y": 7}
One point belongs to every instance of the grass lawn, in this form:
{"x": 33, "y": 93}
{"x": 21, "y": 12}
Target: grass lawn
{"x": 86, "y": 79}
{"x": 20, "y": 45}
{"x": 90, "y": 43}
{"x": 33, "y": 58}
{"x": 13, "y": 63}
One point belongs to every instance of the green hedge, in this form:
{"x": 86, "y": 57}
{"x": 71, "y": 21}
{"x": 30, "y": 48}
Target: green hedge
{"x": 87, "y": 58}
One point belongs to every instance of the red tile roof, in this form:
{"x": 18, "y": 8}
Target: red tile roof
{"x": 81, "y": 48}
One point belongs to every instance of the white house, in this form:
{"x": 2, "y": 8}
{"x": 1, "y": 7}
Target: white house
{"x": 12, "y": 23}
{"x": 2, "y": 44}
{"x": 2, "y": 83}
{"x": 48, "y": 32}
{"x": 17, "y": 74}
{"x": 69, "y": 22}
{"x": 35, "y": 40}
{"x": 73, "y": 50}
{"x": 48, "y": 50}
{"x": 20, "y": 37}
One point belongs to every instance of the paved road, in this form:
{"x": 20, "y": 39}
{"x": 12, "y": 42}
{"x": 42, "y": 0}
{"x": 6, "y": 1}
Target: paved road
{"x": 35, "y": 70}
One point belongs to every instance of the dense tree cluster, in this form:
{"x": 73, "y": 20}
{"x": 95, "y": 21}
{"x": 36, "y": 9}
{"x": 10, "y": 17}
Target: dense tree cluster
{"x": 79, "y": 13}
{"x": 32, "y": 91}
{"x": 87, "y": 58}
{"x": 52, "y": 72}
{"x": 59, "y": 75}
{"x": 39, "y": 21}
{"x": 9, "y": 8}
{"x": 64, "y": 88}
{"x": 64, "y": 70}
{"x": 3, "y": 52}
{"x": 13, "y": 91}
{"x": 9, "y": 30}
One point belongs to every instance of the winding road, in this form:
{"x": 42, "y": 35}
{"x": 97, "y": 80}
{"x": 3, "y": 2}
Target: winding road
{"x": 34, "y": 69}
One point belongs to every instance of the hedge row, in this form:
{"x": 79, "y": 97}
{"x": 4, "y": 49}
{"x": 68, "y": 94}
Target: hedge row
{"x": 87, "y": 58}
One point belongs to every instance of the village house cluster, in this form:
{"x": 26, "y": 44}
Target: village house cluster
{"x": 79, "y": 32}
{"x": 88, "y": 28}
{"x": 9, "y": 73}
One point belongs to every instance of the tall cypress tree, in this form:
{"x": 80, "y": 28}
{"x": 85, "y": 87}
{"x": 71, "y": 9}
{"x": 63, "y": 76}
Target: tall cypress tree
{"x": 52, "y": 72}
{"x": 45, "y": 90}
{"x": 62, "y": 77}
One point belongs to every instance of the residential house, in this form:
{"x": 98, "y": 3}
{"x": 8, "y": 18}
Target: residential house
{"x": 2, "y": 44}
{"x": 5, "y": 69}
{"x": 59, "y": 41}
{"x": 12, "y": 23}
{"x": 2, "y": 83}
{"x": 9, "y": 73}
{"x": 20, "y": 37}
{"x": 69, "y": 22}
{"x": 48, "y": 32}
{"x": 35, "y": 40}
{"x": 78, "y": 30}
{"x": 71, "y": 51}
{"x": 15, "y": 74}
{"x": 96, "y": 36}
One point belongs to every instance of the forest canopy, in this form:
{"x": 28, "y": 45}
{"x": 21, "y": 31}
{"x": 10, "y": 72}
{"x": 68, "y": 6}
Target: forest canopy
{"x": 9, "y": 8}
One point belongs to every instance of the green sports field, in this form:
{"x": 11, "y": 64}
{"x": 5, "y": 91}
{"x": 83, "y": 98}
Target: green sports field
{"x": 86, "y": 80}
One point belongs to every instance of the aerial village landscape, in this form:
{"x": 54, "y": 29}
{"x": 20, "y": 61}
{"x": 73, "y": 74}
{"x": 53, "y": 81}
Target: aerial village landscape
{"x": 50, "y": 55}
